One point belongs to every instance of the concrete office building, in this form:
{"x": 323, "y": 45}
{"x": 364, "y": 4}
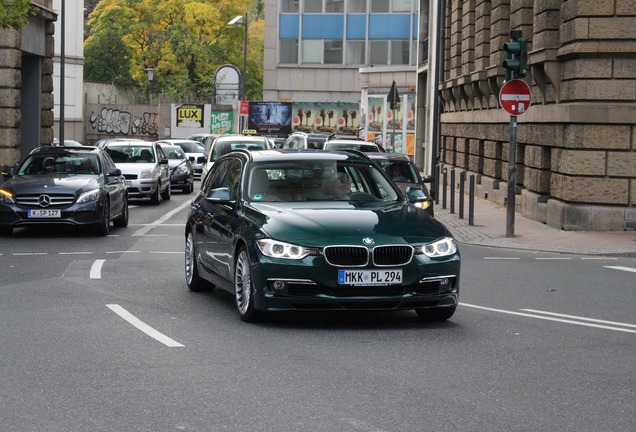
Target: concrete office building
{"x": 576, "y": 145}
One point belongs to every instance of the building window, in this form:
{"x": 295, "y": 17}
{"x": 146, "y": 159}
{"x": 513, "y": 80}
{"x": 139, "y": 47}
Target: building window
{"x": 400, "y": 52}
{"x": 379, "y": 6}
{"x": 378, "y": 52}
{"x": 312, "y": 6}
{"x": 312, "y": 51}
{"x": 355, "y": 53}
{"x": 333, "y": 52}
{"x": 357, "y": 6}
{"x": 289, "y": 6}
{"x": 289, "y": 51}
{"x": 334, "y": 6}
{"x": 402, "y": 6}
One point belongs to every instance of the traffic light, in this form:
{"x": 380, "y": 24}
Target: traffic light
{"x": 516, "y": 62}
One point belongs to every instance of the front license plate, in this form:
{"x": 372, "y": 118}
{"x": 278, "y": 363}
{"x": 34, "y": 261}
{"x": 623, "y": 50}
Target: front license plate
{"x": 44, "y": 213}
{"x": 370, "y": 277}
{"x": 128, "y": 184}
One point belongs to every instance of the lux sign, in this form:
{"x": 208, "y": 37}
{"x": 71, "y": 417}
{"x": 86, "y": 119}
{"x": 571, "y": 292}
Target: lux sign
{"x": 190, "y": 116}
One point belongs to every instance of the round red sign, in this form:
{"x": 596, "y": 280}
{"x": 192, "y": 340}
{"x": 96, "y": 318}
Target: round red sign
{"x": 515, "y": 97}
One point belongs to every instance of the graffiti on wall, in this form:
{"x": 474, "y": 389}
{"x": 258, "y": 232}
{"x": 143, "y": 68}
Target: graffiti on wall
{"x": 116, "y": 122}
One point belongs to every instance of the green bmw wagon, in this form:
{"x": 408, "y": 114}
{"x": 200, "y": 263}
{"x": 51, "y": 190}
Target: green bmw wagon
{"x": 317, "y": 230}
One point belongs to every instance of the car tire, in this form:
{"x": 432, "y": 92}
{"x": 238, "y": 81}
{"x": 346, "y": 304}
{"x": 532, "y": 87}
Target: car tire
{"x": 243, "y": 288}
{"x": 103, "y": 227}
{"x": 188, "y": 189}
{"x": 155, "y": 198}
{"x": 122, "y": 220}
{"x": 166, "y": 194}
{"x": 195, "y": 282}
{"x": 435, "y": 314}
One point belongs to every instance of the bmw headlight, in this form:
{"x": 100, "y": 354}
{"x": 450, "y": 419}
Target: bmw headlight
{"x": 440, "y": 248}
{"x": 6, "y": 196}
{"x": 91, "y": 195}
{"x": 182, "y": 169}
{"x": 146, "y": 174}
{"x": 277, "y": 249}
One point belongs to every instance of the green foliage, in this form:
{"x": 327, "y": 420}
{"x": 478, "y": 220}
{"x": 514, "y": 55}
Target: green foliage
{"x": 185, "y": 41}
{"x": 14, "y": 13}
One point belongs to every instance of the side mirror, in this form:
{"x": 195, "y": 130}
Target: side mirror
{"x": 415, "y": 195}
{"x": 201, "y": 159}
{"x": 7, "y": 171}
{"x": 114, "y": 172}
{"x": 163, "y": 162}
{"x": 219, "y": 195}
{"x": 428, "y": 179}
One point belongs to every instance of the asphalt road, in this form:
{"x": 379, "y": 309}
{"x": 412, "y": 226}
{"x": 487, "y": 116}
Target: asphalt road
{"x": 102, "y": 334}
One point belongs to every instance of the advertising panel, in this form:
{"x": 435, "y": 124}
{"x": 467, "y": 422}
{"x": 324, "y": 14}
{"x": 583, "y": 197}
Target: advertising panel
{"x": 190, "y": 116}
{"x": 270, "y": 118}
{"x": 221, "y": 122}
{"x": 341, "y": 118}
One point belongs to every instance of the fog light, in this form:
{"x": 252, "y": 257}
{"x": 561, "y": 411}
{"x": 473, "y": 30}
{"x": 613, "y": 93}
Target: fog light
{"x": 279, "y": 286}
{"x": 444, "y": 283}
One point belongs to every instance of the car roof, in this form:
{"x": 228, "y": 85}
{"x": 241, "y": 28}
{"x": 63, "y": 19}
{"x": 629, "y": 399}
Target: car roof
{"x": 178, "y": 140}
{"x": 349, "y": 141}
{"x": 244, "y": 138}
{"x": 389, "y": 156}
{"x": 63, "y": 150}
{"x": 300, "y": 155}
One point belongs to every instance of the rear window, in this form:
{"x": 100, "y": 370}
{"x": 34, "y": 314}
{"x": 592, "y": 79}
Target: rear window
{"x": 223, "y": 147}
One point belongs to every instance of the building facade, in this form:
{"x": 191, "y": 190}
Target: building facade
{"x": 345, "y": 51}
{"x": 26, "y": 84}
{"x": 576, "y": 145}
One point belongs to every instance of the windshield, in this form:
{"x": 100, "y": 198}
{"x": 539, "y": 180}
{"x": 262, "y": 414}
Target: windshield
{"x": 131, "y": 153}
{"x": 319, "y": 181}
{"x": 191, "y": 147}
{"x": 174, "y": 152}
{"x": 223, "y": 147}
{"x": 70, "y": 163}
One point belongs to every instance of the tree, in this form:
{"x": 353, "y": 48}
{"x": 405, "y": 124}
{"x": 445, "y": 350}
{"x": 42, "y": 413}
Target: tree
{"x": 14, "y": 13}
{"x": 107, "y": 60}
{"x": 184, "y": 41}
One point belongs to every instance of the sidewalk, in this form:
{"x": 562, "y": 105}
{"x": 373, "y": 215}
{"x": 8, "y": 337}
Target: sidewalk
{"x": 489, "y": 229}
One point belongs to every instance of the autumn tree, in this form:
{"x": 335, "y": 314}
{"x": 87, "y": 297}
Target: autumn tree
{"x": 14, "y": 13}
{"x": 184, "y": 41}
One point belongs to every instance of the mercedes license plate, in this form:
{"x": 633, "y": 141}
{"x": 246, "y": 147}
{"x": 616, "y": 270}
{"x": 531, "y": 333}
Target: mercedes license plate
{"x": 370, "y": 277}
{"x": 44, "y": 213}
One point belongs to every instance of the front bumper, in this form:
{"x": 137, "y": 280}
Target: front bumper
{"x": 311, "y": 284}
{"x": 141, "y": 188}
{"x": 84, "y": 214}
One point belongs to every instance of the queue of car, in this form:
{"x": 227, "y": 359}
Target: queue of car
{"x": 333, "y": 224}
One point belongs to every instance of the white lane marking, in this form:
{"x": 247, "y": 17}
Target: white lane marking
{"x": 75, "y": 253}
{"x": 29, "y": 253}
{"x": 166, "y": 252}
{"x": 599, "y": 258}
{"x": 553, "y": 259}
{"x": 140, "y": 325}
{"x": 502, "y": 258}
{"x": 579, "y": 318}
{"x": 548, "y": 318}
{"x": 122, "y": 252}
{"x": 145, "y": 230}
{"x": 96, "y": 269}
{"x": 627, "y": 269}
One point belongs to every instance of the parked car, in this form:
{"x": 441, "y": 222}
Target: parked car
{"x": 296, "y": 230}
{"x": 102, "y": 143}
{"x": 303, "y": 140}
{"x": 193, "y": 151}
{"x": 145, "y": 166}
{"x": 406, "y": 176}
{"x": 181, "y": 176}
{"x": 351, "y": 144}
{"x": 227, "y": 143}
{"x": 67, "y": 143}
{"x": 64, "y": 186}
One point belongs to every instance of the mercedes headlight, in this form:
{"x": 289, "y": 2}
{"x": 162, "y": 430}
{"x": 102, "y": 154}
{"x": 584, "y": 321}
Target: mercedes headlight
{"x": 277, "y": 249}
{"x": 6, "y": 197}
{"x": 440, "y": 248}
{"x": 91, "y": 195}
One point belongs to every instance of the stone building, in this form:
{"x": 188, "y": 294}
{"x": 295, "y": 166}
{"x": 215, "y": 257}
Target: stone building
{"x": 576, "y": 145}
{"x": 26, "y": 84}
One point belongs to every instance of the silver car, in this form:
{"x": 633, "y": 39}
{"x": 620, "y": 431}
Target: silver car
{"x": 145, "y": 167}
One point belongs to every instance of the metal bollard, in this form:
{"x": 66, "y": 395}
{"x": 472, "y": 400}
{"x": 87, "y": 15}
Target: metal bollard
{"x": 452, "y": 191}
{"x": 462, "y": 180}
{"x": 444, "y": 185}
{"x": 471, "y": 201}
{"x": 436, "y": 185}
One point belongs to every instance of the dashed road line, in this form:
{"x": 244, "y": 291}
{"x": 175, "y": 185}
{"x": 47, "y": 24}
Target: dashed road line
{"x": 140, "y": 325}
{"x": 627, "y": 269}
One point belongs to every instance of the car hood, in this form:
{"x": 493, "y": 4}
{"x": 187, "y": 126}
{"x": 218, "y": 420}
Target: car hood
{"x": 135, "y": 168}
{"x": 343, "y": 223}
{"x": 51, "y": 184}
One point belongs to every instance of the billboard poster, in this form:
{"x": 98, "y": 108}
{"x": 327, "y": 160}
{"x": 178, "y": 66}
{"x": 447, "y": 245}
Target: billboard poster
{"x": 339, "y": 117}
{"x": 221, "y": 122}
{"x": 270, "y": 118}
{"x": 190, "y": 116}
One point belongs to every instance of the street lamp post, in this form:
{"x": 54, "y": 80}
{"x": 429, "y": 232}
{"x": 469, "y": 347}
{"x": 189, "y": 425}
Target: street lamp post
{"x": 62, "y": 75}
{"x": 151, "y": 78}
{"x": 240, "y": 20}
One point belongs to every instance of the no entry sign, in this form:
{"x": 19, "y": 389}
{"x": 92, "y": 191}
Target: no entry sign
{"x": 514, "y": 97}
